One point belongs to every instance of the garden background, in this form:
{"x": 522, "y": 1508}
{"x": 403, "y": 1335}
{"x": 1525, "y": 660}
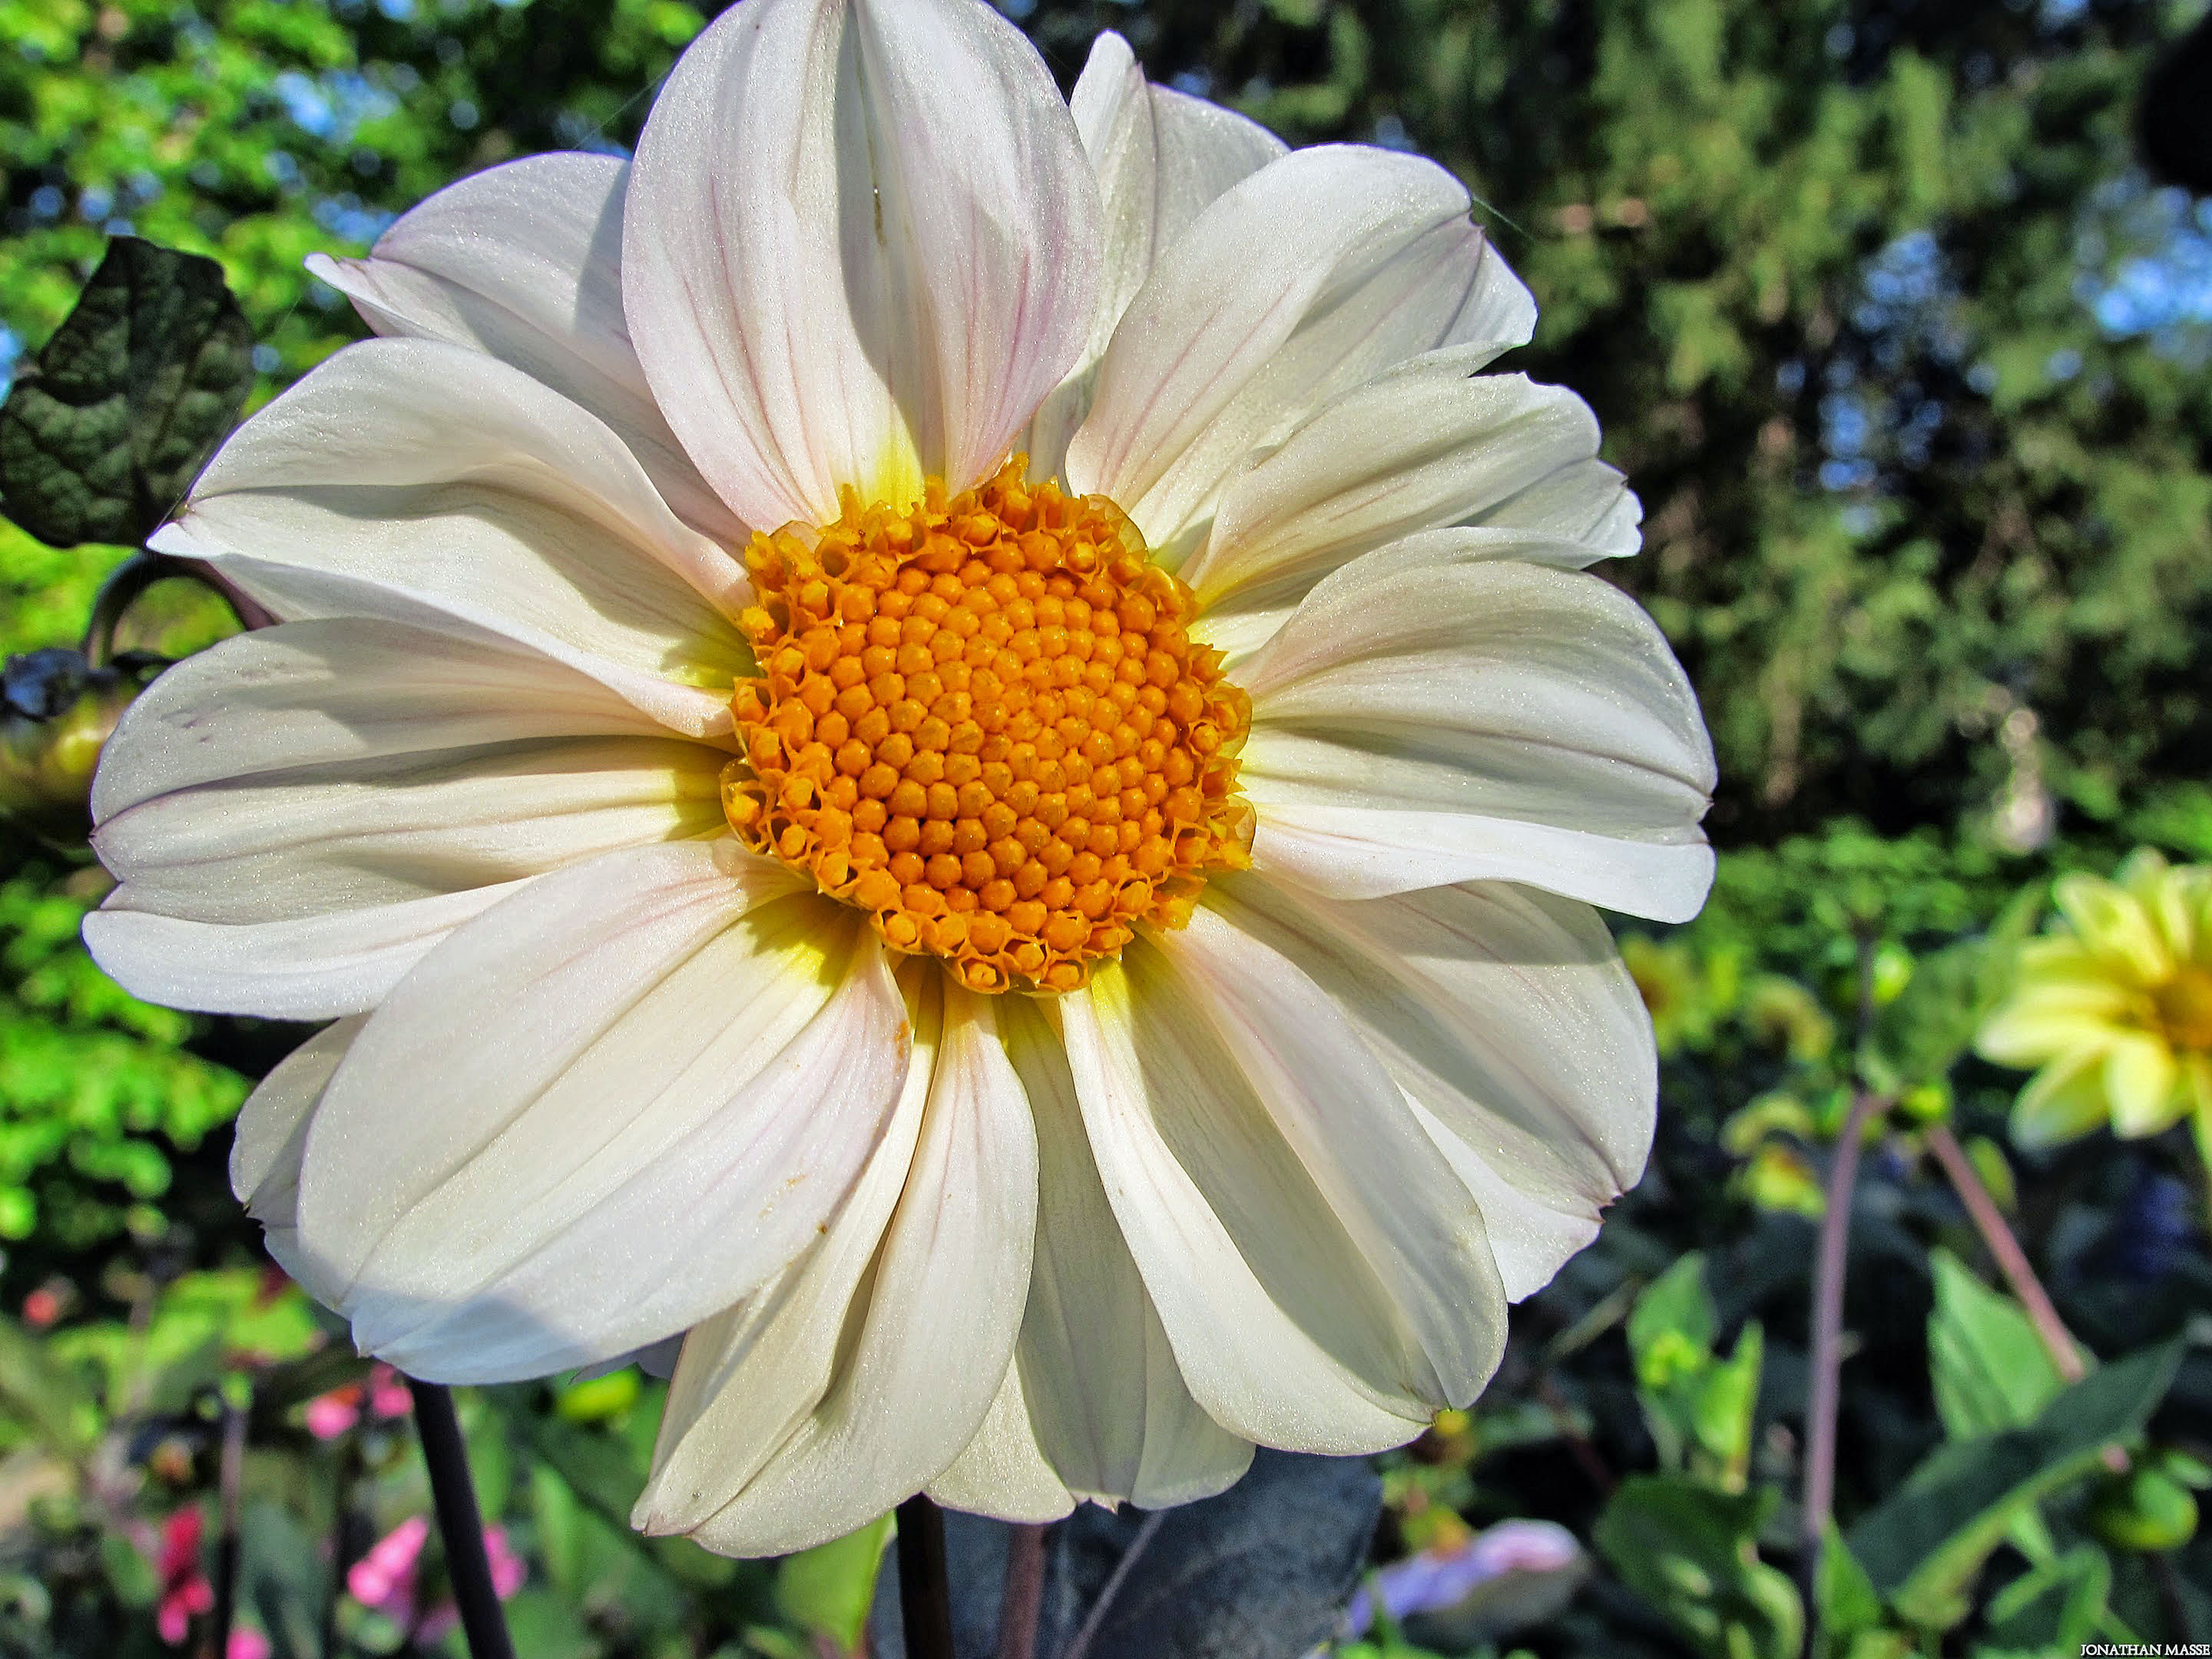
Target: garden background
{"x": 1908, "y": 350}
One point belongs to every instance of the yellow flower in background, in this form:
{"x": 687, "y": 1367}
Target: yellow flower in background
{"x": 2113, "y": 1008}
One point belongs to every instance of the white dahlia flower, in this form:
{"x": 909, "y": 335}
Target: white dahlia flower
{"x": 948, "y": 746}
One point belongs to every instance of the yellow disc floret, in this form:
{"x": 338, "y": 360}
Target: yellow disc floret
{"x": 983, "y": 720}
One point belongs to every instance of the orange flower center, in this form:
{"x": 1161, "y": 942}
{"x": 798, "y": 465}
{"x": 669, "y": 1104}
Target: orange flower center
{"x": 984, "y": 722}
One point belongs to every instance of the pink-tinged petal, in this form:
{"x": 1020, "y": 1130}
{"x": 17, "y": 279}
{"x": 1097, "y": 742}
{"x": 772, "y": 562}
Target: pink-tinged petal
{"x": 329, "y": 1415}
{"x": 861, "y": 245}
{"x": 524, "y": 261}
{"x": 627, "y": 1097}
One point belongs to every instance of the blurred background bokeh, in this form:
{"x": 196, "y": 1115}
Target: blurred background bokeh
{"x": 1898, "y": 313}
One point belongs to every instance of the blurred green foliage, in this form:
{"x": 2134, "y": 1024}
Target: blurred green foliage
{"x": 1868, "y": 297}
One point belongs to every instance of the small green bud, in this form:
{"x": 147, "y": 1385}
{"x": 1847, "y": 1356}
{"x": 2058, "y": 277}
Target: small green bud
{"x": 1926, "y": 1103}
{"x": 2145, "y": 1509}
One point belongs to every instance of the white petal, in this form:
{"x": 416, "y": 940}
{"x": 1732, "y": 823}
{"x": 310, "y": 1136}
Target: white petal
{"x": 1160, "y": 157}
{"x": 625, "y": 1098}
{"x": 351, "y": 835}
{"x": 1415, "y": 726}
{"x": 748, "y": 1375}
{"x": 1107, "y": 1402}
{"x": 1507, "y": 1017}
{"x": 1240, "y": 622}
{"x": 347, "y": 688}
{"x": 1284, "y": 1334}
{"x": 927, "y": 1344}
{"x": 1345, "y": 1120}
{"x": 1316, "y": 273}
{"x": 1589, "y": 503}
{"x": 523, "y": 261}
{"x": 270, "y": 1136}
{"x": 425, "y": 483}
{"x": 1428, "y": 444}
{"x": 296, "y": 814}
{"x": 1003, "y": 1472}
{"x": 311, "y": 967}
{"x": 861, "y": 245}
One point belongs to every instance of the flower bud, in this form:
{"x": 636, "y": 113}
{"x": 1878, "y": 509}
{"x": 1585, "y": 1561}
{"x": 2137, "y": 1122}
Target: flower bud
{"x": 2145, "y": 1509}
{"x": 56, "y": 713}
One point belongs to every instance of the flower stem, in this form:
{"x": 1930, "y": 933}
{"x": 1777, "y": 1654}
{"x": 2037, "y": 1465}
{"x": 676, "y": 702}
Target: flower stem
{"x": 1024, "y": 1595}
{"x": 925, "y": 1590}
{"x": 1827, "y": 1392}
{"x": 2004, "y": 1246}
{"x": 230, "y": 1480}
{"x": 460, "y": 1524}
{"x": 117, "y": 594}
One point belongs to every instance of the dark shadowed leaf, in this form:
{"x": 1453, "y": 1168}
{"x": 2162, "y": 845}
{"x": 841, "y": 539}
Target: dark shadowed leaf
{"x": 104, "y": 430}
{"x": 1924, "y": 1545}
{"x": 1260, "y": 1572}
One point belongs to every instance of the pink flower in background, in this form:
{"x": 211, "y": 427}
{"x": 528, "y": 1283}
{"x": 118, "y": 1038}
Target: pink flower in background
{"x": 247, "y": 1643}
{"x": 384, "y": 1580}
{"x": 329, "y": 1415}
{"x": 185, "y": 1592}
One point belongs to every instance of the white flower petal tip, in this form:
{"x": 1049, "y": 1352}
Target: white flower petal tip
{"x": 1240, "y": 332}
{"x": 423, "y": 483}
{"x": 1291, "y": 1324}
{"x": 1432, "y": 443}
{"x": 1160, "y": 157}
{"x": 614, "y": 1148}
{"x": 297, "y": 815}
{"x": 1421, "y": 722}
{"x": 1506, "y": 1017}
{"x": 523, "y": 262}
{"x": 898, "y": 261}
{"x": 911, "y": 1317}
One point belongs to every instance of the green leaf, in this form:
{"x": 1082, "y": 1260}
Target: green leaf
{"x": 1688, "y": 1550}
{"x": 1723, "y": 1409}
{"x": 2059, "y": 1608}
{"x": 829, "y": 1588}
{"x": 598, "y": 1467}
{"x": 50, "y": 1400}
{"x": 103, "y": 432}
{"x": 1990, "y": 1368}
{"x": 1850, "y": 1604}
{"x": 1922, "y": 1546}
{"x": 1676, "y": 1301}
